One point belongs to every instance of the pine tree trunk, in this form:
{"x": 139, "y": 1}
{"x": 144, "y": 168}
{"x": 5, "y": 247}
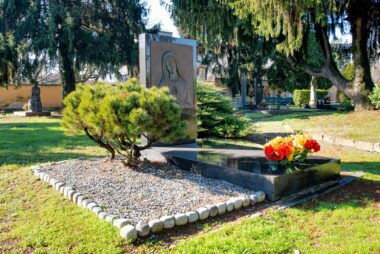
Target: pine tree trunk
{"x": 66, "y": 70}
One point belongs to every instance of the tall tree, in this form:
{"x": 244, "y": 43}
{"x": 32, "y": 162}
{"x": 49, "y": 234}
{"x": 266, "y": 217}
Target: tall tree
{"x": 93, "y": 33}
{"x": 290, "y": 23}
{"x": 17, "y": 29}
{"x": 79, "y": 36}
{"x": 225, "y": 42}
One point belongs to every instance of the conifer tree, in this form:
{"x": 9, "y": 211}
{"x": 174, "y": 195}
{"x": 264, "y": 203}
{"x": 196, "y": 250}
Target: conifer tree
{"x": 99, "y": 35}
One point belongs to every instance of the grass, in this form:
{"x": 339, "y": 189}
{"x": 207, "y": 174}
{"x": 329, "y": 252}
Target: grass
{"x": 349, "y": 126}
{"x": 346, "y": 221}
{"x": 34, "y": 218}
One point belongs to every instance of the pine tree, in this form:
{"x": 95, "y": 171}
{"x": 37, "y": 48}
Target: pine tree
{"x": 96, "y": 36}
{"x": 225, "y": 42}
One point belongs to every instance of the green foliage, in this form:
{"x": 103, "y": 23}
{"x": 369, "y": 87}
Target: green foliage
{"x": 302, "y": 96}
{"x": 116, "y": 117}
{"x": 345, "y": 106}
{"x": 227, "y": 45}
{"x": 216, "y": 116}
{"x": 375, "y": 96}
{"x": 83, "y": 38}
{"x": 349, "y": 71}
{"x": 343, "y": 98}
{"x": 321, "y": 94}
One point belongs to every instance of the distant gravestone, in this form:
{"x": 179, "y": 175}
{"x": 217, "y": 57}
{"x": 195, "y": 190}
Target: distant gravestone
{"x": 171, "y": 62}
{"x": 34, "y": 103}
{"x": 313, "y": 93}
{"x": 258, "y": 90}
{"x": 244, "y": 92}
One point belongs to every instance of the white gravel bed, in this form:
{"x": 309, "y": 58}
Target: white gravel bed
{"x": 143, "y": 193}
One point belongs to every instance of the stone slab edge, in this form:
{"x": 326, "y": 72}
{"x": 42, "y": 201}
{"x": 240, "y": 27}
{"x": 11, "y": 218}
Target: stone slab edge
{"x": 360, "y": 145}
{"x": 129, "y": 232}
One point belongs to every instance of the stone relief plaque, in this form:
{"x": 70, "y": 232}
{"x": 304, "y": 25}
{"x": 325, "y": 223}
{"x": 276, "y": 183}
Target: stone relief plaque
{"x": 171, "y": 62}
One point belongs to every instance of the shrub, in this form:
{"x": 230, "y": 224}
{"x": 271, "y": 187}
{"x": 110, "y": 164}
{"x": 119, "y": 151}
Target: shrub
{"x": 81, "y": 114}
{"x": 116, "y": 117}
{"x": 322, "y": 94}
{"x": 345, "y": 106}
{"x": 375, "y": 96}
{"x": 303, "y": 96}
{"x": 216, "y": 116}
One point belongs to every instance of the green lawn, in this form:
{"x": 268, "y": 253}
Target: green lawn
{"x": 347, "y": 221}
{"x": 356, "y": 125}
{"x": 35, "y": 218}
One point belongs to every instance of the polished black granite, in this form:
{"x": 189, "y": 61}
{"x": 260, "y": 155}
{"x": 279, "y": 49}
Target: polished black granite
{"x": 248, "y": 167}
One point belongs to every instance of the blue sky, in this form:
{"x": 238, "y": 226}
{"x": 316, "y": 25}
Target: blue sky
{"x": 159, "y": 14}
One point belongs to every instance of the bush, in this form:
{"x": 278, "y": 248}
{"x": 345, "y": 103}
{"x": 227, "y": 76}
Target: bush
{"x": 375, "y": 96}
{"x": 303, "y": 96}
{"x": 345, "y": 106}
{"x": 216, "y": 116}
{"x": 322, "y": 94}
{"x": 116, "y": 117}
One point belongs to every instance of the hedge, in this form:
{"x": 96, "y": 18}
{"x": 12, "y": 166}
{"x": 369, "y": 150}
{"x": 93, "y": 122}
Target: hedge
{"x": 302, "y": 96}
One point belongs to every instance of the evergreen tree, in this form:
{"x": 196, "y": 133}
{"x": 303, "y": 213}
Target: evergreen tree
{"x": 290, "y": 24}
{"x": 95, "y": 36}
{"x": 215, "y": 114}
{"x": 229, "y": 44}
{"x": 226, "y": 43}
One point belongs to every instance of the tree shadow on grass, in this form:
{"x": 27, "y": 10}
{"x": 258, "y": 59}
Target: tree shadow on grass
{"x": 366, "y": 167}
{"x": 29, "y": 143}
{"x": 360, "y": 193}
{"x": 292, "y": 115}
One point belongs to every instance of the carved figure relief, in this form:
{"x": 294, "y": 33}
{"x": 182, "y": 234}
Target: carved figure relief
{"x": 171, "y": 77}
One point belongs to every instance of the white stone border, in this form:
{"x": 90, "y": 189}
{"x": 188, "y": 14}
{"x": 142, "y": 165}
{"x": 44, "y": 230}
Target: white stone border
{"x": 141, "y": 229}
{"x": 360, "y": 145}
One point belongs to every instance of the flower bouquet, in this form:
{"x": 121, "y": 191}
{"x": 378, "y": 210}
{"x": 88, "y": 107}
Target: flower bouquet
{"x": 292, "y": 150}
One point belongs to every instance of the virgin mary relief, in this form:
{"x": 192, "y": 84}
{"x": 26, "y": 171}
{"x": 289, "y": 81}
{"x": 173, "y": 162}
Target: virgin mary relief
{"x": 172, "y": 79}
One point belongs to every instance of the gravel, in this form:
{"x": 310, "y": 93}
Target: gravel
{"x": 144, "y": 193}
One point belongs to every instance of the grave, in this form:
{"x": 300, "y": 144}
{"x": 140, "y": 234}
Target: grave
{"x": 34, "y": 104}
{"x": 248, "y": 167}
{"x": 169, "y": 61}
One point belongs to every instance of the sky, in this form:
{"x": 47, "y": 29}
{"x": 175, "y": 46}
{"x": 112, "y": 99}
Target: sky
{"x": 158, "y": 14}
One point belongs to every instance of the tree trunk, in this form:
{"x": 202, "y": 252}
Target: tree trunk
{"x": 102, "y": 144}
{"x": 66, "y": 70}
{"x": 362, "y": 83}
{"x": 360, "y": 87}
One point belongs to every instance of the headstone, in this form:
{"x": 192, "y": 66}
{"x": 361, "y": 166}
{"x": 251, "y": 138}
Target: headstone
{"x": 169, "y": 61}
{"x": 313, "y": 93}
{"x": 34, "y": 103}
{"x": 243, "y": 92}
{"x": 258, "y": 90}
{"x": 202, "y": 72}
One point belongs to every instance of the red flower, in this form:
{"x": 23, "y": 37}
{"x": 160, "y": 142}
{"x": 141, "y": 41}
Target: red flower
{"x": 312, "y": 145}
{"x": 285, "y": 150}
{"x": 271, "y": 153}
{"x": 279, "y": 154}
